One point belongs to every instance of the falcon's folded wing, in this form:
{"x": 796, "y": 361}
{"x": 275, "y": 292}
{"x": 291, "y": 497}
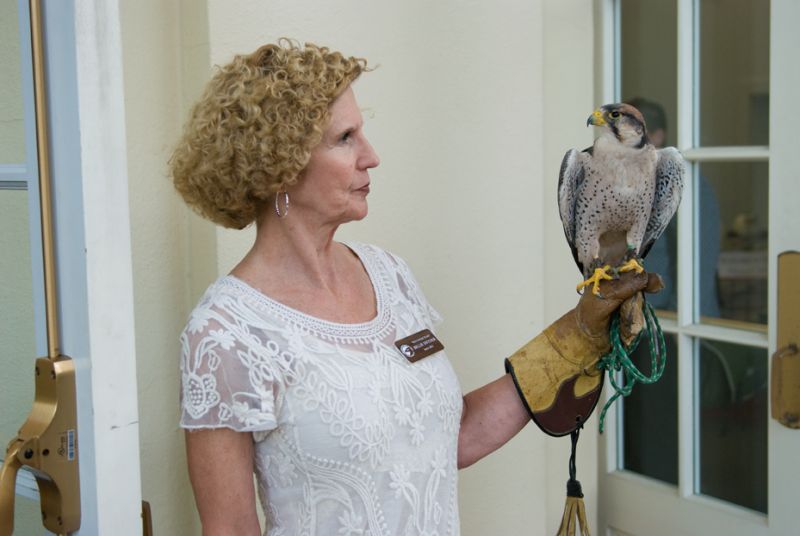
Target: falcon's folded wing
{"x": 570, "y": 181}
{"x": 670, "y": 172}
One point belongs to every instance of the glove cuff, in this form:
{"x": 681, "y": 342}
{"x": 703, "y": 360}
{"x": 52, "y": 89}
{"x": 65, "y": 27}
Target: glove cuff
{"x": 556, "y": 377}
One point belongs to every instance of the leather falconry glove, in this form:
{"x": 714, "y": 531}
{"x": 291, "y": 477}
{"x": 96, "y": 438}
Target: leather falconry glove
{"x": 556, "y": 373}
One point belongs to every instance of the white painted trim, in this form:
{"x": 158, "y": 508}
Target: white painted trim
{"x": 686, "y": 253}
{"x": 607, "y": 39}
{"x": 688, "y": 300}
{"x": 723, "y": 334}
{"x": 686, "y": 75}
{"x": 729, "y": 509}
{"x": 727, "y": 154}
{"x": 686, "y": 407}
{"x": 607, "y": 13}
{"x": 616, "y": 50}
{"x": 686, "y": 256}
{"x": 656, "y": 485}
{"x": 784, "y": 443}
{"x": 668, "y": 325}
{"x": 661, "y": 488}
{"x": 651, "y": 508}
{"x": 108, "y": 272}
{"x": 12, "y": 173}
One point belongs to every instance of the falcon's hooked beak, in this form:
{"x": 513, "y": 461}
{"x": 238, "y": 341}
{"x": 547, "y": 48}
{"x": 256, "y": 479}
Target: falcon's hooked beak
{"x": 596, "y": 119}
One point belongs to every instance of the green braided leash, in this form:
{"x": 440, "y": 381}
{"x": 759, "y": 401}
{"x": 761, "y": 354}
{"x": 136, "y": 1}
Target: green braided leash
{"x": 619, "y": 358}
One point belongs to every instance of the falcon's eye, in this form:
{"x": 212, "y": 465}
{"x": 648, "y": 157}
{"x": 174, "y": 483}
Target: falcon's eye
{"x": 615, "y": 114}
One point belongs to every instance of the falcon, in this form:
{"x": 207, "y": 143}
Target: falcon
{"x": 616, "y": 197}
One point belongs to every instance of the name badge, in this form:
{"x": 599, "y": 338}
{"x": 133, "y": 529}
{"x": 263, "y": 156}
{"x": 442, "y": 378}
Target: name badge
{"x": 419, "y": 345}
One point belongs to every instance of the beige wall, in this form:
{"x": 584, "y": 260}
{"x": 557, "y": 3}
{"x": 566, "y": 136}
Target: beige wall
{"x": 471, "y": 109}
{"x": 160, "y": 54}
{"x": 569, "y": 99}
{"x": 455, "y": 114}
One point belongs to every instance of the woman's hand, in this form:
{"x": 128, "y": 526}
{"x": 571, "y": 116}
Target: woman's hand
{"x": 556, "y": 373}
{"x": 221, "y": 472}
{"x": 594, "y": 312}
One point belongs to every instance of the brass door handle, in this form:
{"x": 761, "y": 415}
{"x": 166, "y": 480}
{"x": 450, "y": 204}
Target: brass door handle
{"x": 47, "y": 445}
{"x": 785, "y": 376}
{"x": 8, "y": 484}
{"x": 785, "y": 382}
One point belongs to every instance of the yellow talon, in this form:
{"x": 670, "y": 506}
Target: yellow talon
{"x": 600, "y": 274}
{"x": 632, "y": 264}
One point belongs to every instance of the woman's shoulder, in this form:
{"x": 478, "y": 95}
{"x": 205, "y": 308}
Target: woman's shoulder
{"x": 387, "y": 259}
{"x": 221, "y": 302}
{"x": 216, "y": 294}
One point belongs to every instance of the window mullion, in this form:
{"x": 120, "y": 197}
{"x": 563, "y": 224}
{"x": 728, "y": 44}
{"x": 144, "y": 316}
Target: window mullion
{"x": 686, "y": 74}
{"x": 686, "y": 273}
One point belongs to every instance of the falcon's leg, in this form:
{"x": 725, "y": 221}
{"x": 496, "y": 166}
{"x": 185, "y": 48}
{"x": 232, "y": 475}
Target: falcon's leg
{"x": 634, "y": 238}
{"x": 632, "y": 262}
{"x": 599, "y": 273}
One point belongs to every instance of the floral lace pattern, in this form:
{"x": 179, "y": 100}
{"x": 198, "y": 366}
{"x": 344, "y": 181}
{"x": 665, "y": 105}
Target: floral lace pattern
{"x": 351, "y": 438}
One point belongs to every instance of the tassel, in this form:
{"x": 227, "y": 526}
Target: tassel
{"x": 574, "y": 514}
{"x": 574, "y": 510}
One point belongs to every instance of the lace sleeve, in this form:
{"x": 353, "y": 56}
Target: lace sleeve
{"x": 228, "y": 375}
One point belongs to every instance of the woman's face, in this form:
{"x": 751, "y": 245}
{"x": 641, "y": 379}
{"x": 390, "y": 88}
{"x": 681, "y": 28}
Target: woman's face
{"x": 333, "y": 187}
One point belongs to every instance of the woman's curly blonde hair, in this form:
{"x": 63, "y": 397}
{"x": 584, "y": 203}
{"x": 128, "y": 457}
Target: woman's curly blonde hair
{"x": 251, "y": 133}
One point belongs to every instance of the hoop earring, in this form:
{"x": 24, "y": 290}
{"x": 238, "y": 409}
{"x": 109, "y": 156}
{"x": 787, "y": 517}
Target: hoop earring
{"x": 285, "y": 204}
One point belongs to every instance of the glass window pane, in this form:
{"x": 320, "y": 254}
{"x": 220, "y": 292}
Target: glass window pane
{"x": 663, "y": 260}
{"x": 17, "y": 336}
{"x": 732, "y": 423}
{"x": 649, "y": 57}
{"x": 734, "y": 72}
{"x": 650, "y": 426}
{"x": 12, "y": 120}
{"x": 733, "y": 230}
{"x": 18, "y": 350}
{"x": 649, "y": 66}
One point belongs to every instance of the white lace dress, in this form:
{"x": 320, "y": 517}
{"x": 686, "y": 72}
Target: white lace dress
{"x": 350, "y": 437}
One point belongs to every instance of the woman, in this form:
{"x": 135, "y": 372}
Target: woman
{"x": 292, "y": 365}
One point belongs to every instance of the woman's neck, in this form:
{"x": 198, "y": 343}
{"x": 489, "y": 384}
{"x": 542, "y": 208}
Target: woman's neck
{"x": 292, "y": 251}
{"x": 300, "y": 265}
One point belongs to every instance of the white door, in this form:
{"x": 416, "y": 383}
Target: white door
{"x": 85, "y": 129}
{"x": 697, "y": 453}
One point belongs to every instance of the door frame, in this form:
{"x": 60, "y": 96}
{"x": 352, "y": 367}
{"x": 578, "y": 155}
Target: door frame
{"x": 784, "y": 443}
{"x": 110, "y": 365}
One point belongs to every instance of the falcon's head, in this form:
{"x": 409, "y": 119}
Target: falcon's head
{"x": 624, "y": 121}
